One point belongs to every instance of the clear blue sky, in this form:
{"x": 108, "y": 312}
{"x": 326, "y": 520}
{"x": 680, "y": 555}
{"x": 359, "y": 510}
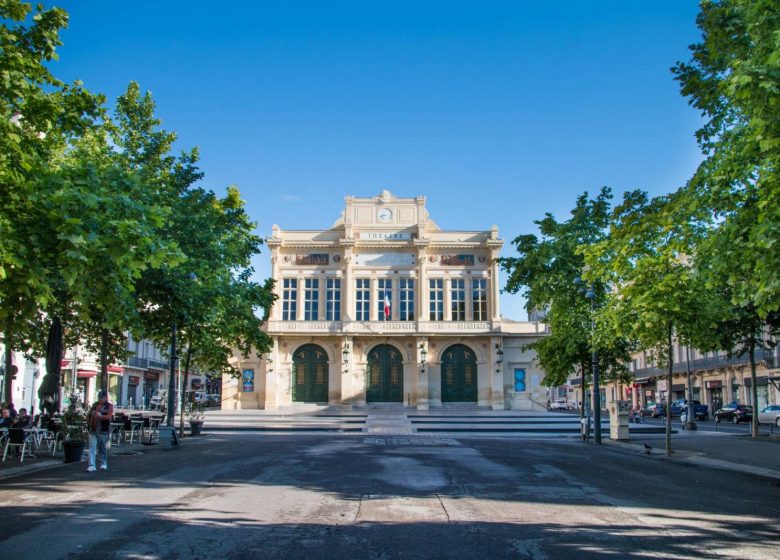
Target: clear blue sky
{"x": 496, "y": 111}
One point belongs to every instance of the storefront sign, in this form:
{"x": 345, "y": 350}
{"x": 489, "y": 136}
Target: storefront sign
{"x": 312, "y": 259}
{"x": 457, "y": 260}
{"x": 133, "y": 380}
{"x": 384, "y": 235}
{"x": 713, "y": 384}
{"x": 248, "y": 380}
{"x": 385, "y": 259}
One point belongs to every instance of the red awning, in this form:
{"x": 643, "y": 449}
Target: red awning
{"x": 115, "y": 369}
{"x": 86, "y": 373}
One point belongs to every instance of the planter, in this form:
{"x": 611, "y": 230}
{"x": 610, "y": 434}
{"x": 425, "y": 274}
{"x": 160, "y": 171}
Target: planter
{"x": 73, "y": 451}
{"x": 195, "y": 428}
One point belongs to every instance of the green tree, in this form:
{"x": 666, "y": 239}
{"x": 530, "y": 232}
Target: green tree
{"x": 545, "y": 272}
{"x": 654, "y": 294}
{"x": 107, "y": 230}
{"x": 737, "y": 328}
{"x": 38, "y": 115}
{"x": 733, "y": 78}
{"x": 208, "y": 295}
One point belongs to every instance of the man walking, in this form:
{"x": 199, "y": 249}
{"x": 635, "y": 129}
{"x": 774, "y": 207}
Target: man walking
{"x": 99, "y": 426}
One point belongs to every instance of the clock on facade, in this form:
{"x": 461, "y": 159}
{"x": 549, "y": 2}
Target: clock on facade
{"x": 384, "y": 215}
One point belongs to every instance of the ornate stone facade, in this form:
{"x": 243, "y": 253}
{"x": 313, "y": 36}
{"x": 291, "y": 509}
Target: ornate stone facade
{"x": 386, "y": 307}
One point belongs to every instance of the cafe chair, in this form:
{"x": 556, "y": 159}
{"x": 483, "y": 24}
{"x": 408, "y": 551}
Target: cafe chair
{"x": 19, "y": 439}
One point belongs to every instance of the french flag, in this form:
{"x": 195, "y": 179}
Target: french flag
{"x": 387, "y": 306}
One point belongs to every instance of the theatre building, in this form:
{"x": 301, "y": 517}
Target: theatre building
{"x": 385, "y": 307}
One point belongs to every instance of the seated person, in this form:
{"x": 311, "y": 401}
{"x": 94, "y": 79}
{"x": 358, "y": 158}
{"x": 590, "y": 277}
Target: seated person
{"x": 24, "y": 420}
{"x": 5, "y": 418}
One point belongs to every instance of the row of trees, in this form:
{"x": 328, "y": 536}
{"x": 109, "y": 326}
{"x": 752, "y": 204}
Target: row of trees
{"x": 103, "y": 227}
{"x": 699, "y": 265}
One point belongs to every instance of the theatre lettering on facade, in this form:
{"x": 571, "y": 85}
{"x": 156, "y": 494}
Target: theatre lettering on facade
{"x": 384, "y": 307}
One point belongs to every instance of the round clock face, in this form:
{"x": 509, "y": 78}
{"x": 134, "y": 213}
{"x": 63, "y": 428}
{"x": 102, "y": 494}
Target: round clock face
{"x": 384, "y": 215}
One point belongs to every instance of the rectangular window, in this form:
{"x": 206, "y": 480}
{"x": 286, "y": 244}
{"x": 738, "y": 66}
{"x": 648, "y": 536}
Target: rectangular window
{"x": 479, "y": 299}
{"x": 436, "y": 288}
{"x": 384, "y": 299}
{"x": 458, "y": 299}
{"x": 406, "y": 299}
{"x": 333, "y": 300}
{"x": 311, "y": 299}
{"x": 289, "y": 299}
{"x": 362, "y": 299}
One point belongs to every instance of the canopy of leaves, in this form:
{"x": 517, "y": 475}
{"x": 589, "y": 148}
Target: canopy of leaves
{"x": 545, "y": 272}
{"x": 733, "y": 78}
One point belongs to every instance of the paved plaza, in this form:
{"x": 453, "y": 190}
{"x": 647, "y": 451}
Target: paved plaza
{"x": 244, "y": 494}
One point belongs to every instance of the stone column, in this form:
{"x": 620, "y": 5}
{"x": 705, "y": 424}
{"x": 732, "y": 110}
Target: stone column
{"x": 497, "y": 376}
{"x": 373, "y": 301}
{"x": 447, "y": 298}
{"x": 347, "y": 391}
{"x": 270, "y": 401}
{"x": 422, "y": 376}
{"x": 348, "y": 283}
{"x": 495, "y": 287}
{"x": 421, "y": 299}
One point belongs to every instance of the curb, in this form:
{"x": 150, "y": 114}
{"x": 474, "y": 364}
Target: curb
{"x": 698, "y": 459}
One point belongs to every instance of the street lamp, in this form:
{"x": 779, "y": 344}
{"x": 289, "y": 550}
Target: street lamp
{"x": 499, "y": 357}
{"x": 589, "y": 292}
{"x": 345, "y": 355}
{"x": 691, "y": 424}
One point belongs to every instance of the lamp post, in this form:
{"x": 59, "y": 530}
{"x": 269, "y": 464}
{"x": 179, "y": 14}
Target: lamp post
{"x": 590, "y": 293}
{"x": 499, "y": 357}
{"x": 345, "y": 355}
{"x": 691, "y": 424}
{"x": 172, "y": 377}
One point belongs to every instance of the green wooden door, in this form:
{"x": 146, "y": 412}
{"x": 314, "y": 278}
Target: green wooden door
{"x": 458, "y": 375}
{"x": 385, "y": 375}
{"x": 310, "y": 374}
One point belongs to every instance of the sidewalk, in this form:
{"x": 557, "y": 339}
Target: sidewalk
{"x": 738, "y": 453}
{"x": 44, "y": 460}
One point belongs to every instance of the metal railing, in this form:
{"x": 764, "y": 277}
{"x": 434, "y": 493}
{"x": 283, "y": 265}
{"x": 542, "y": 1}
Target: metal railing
{"x": 144, "y": 363}
{"x": 765, "y": 356}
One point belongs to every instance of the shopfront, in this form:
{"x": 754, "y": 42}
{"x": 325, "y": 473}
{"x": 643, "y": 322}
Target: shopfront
{"x": 715, "y": 394}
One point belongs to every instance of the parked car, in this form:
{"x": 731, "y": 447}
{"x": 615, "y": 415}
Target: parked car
{"x": 700, "y": 411}
{"x": 770, "y": 415}
{"x": 559, "y": 404}
{"x": 654, "y": 410}
{"x": 156, "y": 402}
{"x": 734, "y": 412}
{"x": 214, "y": 399}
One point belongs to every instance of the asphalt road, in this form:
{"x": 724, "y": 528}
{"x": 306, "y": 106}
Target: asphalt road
{"x": 243, "y": 496}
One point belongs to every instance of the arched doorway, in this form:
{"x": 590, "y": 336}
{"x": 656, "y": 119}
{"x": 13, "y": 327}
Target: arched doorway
{"x": 310, "y": 374}
{"x": 458, "y": 374}
{"x": 385, "y": 375}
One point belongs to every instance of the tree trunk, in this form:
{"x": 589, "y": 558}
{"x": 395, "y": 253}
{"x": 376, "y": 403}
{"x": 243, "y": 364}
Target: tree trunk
{"x": 184, "y": 387}
{"x": 753, "y": 388}
{"x": 8, "y": 364}
{"x": 582, "y": 386}
{"x": 104, "y": 360}
{"x": 669, "y": 376}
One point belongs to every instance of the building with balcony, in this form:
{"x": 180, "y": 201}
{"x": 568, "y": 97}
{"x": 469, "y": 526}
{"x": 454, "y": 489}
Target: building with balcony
{"x": 385, "y": 307}
{"x": 717, "y": 378}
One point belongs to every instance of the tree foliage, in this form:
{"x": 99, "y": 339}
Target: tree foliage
{"x": 545, "y": 272}
{"x": 733, "y": 78}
